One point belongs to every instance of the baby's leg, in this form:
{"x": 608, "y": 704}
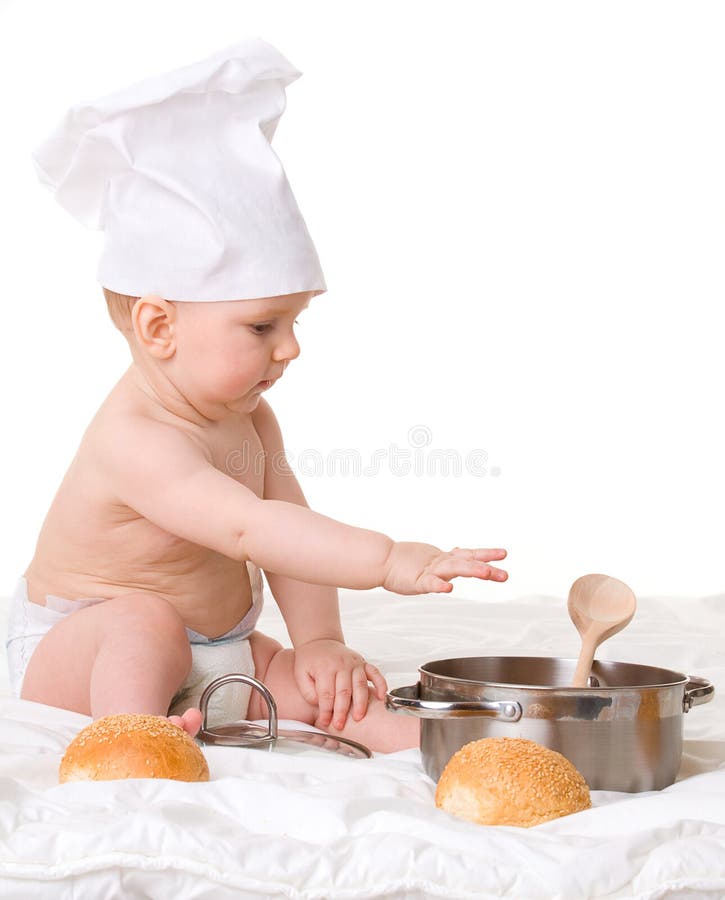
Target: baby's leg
{"x": 379, "y": 729}
{"x": 126, "y": 655}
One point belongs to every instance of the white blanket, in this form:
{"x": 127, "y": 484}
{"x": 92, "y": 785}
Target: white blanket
{"x": 307, "y": 826}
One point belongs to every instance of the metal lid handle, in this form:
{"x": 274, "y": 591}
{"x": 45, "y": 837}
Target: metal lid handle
{"x": 246, "y": 679}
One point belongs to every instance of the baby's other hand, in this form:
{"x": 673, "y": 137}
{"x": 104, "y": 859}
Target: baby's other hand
{"x": 414, "y": 568}
{"x": 333, "y": 677}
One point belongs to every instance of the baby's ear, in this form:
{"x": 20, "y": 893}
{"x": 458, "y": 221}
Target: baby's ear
{"x": 153, "y": 323}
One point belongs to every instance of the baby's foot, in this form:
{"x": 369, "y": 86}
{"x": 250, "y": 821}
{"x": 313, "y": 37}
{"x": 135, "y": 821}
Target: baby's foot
{"x": 190, "y": 721}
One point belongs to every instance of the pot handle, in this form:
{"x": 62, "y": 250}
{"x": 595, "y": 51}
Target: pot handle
{"x": 407, "y": 700}
{"x": 697, "y": 690}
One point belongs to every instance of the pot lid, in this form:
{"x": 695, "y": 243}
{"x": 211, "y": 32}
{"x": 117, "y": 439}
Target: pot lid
{"x": 271, "y": 738}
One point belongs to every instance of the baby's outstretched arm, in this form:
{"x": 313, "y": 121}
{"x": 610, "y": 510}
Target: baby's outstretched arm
{"x": 169, "y": 480}
{"x": 306, "y": 545}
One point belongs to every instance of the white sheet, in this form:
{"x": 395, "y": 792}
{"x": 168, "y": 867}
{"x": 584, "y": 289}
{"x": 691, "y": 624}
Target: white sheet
{"x": 310, "y": 827}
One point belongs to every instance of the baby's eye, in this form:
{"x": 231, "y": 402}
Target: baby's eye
{"x": 262, "y": 329}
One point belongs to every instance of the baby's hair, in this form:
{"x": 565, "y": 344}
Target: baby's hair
{"x": 119, "y": 309}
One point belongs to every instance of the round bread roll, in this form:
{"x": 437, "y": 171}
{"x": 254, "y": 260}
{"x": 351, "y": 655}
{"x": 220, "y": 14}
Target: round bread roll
{"x": 510, "y": 781}
{"x": 133, "y": 746}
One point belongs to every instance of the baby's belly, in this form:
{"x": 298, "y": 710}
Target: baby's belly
{"x": 211, "y": 594}
{"x": 92, "y": 545}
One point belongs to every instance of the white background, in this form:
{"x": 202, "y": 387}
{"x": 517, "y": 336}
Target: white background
{"x": 519, "y": 211}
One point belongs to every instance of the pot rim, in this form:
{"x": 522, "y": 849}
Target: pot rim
{"x": 680, "y": 677}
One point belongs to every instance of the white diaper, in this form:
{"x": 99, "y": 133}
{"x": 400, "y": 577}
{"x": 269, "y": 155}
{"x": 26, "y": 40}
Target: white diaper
{"x": 209, "y": 661}
{"x": 29, "y": 622}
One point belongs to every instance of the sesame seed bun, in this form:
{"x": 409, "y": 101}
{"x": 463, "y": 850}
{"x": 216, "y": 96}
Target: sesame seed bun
{"x": 133, "y": 746}
{"x": 510, "y": 781}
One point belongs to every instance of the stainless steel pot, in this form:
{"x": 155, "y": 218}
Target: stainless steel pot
{"x": 623, "y": 732}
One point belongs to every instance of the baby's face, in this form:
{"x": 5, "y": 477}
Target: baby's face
{"x": 225, "y": 350}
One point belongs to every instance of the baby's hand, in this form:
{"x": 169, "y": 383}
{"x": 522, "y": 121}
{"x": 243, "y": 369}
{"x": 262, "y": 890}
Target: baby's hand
{"x": 332, "y": 676}
{"x": 422, "y": 568}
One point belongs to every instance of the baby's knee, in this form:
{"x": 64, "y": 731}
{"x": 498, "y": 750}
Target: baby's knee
{"x": 274, "y": 667}
{"x": 264, "y": 649}
{"x": 150, "y": 610}
{"x": 144, "y": 616}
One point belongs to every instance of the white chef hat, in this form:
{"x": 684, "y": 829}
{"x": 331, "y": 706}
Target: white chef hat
{"x": 179, "y": 172}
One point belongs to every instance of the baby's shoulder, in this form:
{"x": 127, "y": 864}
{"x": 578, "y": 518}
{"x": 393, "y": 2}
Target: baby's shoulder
{"x": 125, "y": 441}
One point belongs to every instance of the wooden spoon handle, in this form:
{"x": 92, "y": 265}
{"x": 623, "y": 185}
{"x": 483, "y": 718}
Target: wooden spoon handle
{"x": 584, "y": 663}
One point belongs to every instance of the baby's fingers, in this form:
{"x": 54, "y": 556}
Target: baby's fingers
{"x": 360, "y": 692}
{"x": 456, "y": 566}
{"x": 432, "y": 584}
{"x": 480, "y": 553}
{"x": 345, "y": 685}
{"x": 376, "y": 676}
{"x": 326, "y": 699}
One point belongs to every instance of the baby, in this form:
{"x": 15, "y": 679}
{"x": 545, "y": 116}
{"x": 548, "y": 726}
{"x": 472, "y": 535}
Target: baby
{"x": 147, "y": 567}
{"x": 150, "y": 518}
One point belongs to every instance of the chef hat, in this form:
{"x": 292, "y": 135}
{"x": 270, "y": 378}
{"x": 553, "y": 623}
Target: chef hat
{"x": 179, "y": 172}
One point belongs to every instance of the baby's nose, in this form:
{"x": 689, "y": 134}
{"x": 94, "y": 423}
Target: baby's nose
{"x": 287, "y": 350}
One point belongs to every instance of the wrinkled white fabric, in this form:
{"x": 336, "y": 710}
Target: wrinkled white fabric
{"x": 312, "y": 826}
{"x": 179, "y": 172}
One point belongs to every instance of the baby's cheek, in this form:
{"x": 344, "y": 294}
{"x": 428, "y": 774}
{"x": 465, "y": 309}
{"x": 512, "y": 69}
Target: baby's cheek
{"x": 231, "y": 375}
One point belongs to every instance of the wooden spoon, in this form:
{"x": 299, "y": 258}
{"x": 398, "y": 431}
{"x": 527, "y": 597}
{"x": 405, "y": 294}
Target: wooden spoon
{"x": 599, "y": 606}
